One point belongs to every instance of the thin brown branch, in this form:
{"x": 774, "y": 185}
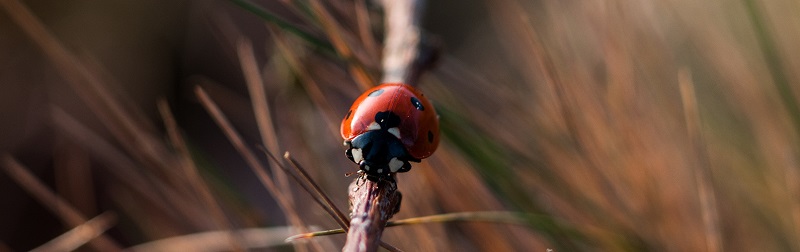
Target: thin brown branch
{"x": 405, "y": 55}
{"x": 329, "y": 210}
{"x": 56, "y": 204}
{"x": 306, "y": 181}
{"x": 313, "y": 189}
{"x": 372, "y": 205}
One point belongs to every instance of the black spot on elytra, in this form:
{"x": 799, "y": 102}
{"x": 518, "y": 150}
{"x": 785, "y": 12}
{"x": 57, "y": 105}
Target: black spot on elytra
{"x": 387, "y": 120}
{"x": 430, "y": 136}
{"x": 375, "y": 93}
{"x": 417, "y": 104}
{"x": 348, "y": 114}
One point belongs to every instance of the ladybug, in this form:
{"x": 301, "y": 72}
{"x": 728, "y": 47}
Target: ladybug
{"x": 387, "y": 127}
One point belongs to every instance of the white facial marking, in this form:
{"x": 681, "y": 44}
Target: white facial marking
{"x": 366, "y": 167}
{"x": 380, "y": 170}
{"x": 357, "y": 156}
{"x": 395, "y": 131}
{"x": 395, "y": 165}
{"x": 373, "y": 126}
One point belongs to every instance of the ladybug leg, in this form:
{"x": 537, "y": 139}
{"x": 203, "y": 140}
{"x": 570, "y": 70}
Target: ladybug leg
{"x": 349, "y": 154}
{"x": 360, "y": 180}
{"x": 406, "y": 167}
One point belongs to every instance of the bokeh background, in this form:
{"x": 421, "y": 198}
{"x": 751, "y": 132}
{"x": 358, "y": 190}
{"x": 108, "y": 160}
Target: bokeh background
{"x": 614, "y": 125}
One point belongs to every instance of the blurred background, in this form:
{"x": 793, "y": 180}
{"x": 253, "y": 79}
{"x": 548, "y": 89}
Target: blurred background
{"x": 614, "y": 125}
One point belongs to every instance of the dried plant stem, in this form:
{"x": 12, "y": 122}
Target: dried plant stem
{"x": 703, "y": 174}
{"x": 247, "y": 154}
{"x": 491, "y": 216}
{"x": 372, "y": 203}
{"x": 317, "y": 194}
{"x": 56, "y": 204}
{"x": 336, "y": 35}
{"x": 193, "y": 176}
{"x": 261, "y": 109}
{"x": 316, "y": 94}
{"x": 340, "y": 218}
{"x": 403, "y": 59}
{"x": 91, "y": 88}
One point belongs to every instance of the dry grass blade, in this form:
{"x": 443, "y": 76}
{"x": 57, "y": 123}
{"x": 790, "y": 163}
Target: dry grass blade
{"x": 331, "y": 209}
{"x": 319, "y": 193}
{"x": 705, "y": 189}
{"x": 123, "y": 168}
{"x": 364, "y": 28}
{"x": 193, "y": 177}
{"x": 56, "y": 204}
{"x": 263, "y": 115}
{"x": 79, "y": 235}
{"x": 317, "y": 96}
{"x": 493, "y": 217}
{"x": 496, "y": 217}
{"x": 261, "y": 109}
{"x": 212, "y": 241}
{"x": 90, "y": 86}
{"x": 334, "y": 32}
{"x": 238, "y": 143}
{"x": 315, "y": 234}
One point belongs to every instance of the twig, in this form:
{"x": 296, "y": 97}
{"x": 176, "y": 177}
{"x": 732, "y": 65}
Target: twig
{"x": 405, "y": 53}
{"x": 335, "y": 212}
{"x": 317, "y": 194}
{"x": 372, "y": 203}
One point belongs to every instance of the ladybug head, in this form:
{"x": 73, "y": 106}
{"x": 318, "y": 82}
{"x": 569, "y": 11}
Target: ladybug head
{"x": 379, "y": 151}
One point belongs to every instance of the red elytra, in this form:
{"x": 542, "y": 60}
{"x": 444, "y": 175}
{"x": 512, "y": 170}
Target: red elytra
{"x": 387, "y": 113}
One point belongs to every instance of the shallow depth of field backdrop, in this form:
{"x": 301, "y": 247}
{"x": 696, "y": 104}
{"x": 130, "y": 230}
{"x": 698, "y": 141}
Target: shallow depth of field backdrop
{"x": 618, "y": 125}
